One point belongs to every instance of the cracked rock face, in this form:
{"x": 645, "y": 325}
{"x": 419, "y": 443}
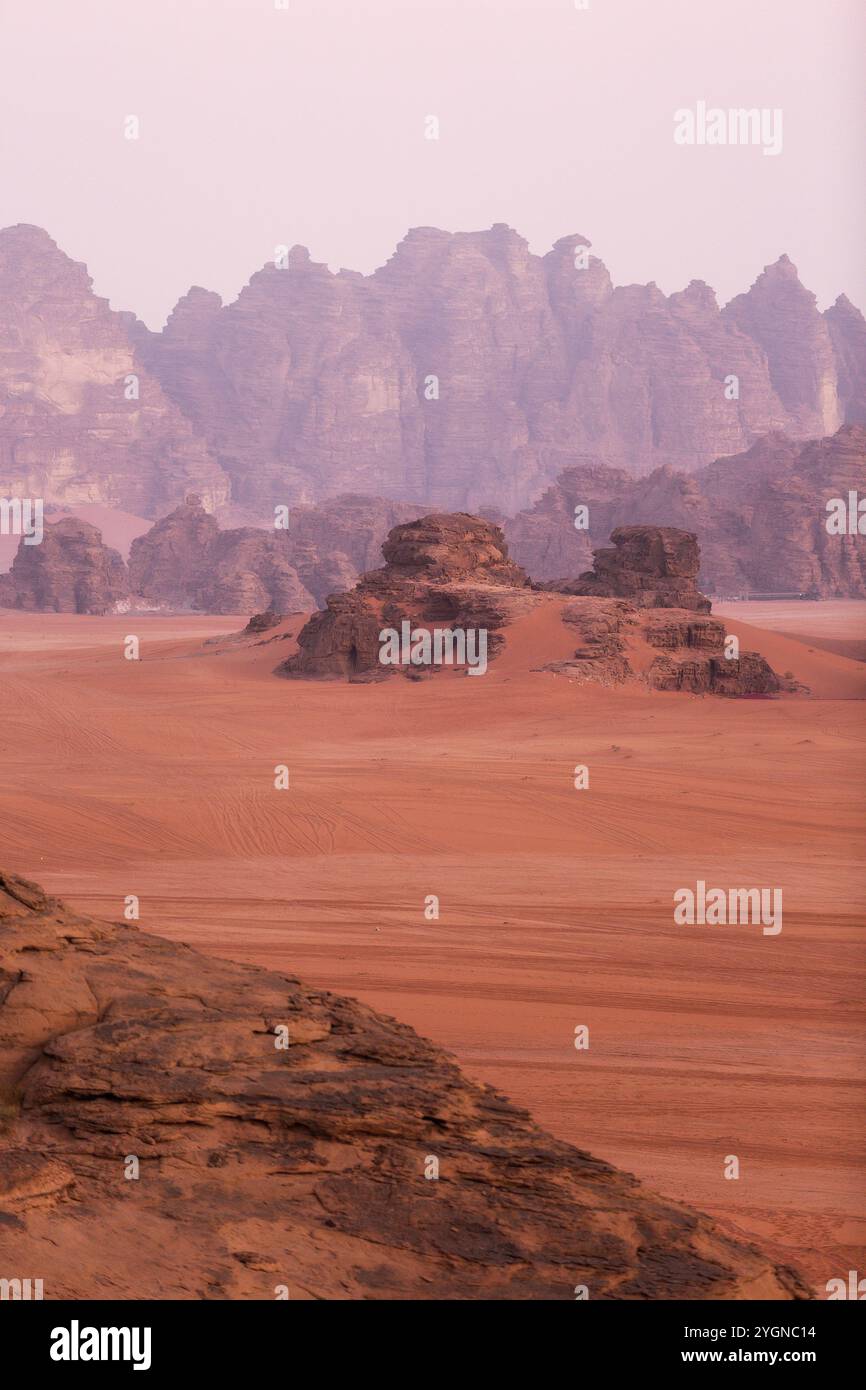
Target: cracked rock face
{"x": 445, "y": 570}
{"x": 651, "y": 566}
{"x": 261, "y": 1166}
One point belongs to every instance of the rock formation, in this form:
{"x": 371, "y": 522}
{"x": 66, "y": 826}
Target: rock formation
{"x": 448, "y": 571}
{"x": 69, "y": 571}
{"x": 470, "y": 372}
{"x": 452, "y": 572}
{"x": 769, "y": 510}
{"x": 257, "y": 1166}
{"x": 760, "y": 517}
{"x": 81, "y": 417}
{"x": 782, "y": 317}
{"x": 651, "y": 566}
{"x": 186, "y": 561}
{"x": 848, "y": 335}
{"x": 465, "y": 373}
{"x": 619, "y": 642}
{"x": 335, "y": 541}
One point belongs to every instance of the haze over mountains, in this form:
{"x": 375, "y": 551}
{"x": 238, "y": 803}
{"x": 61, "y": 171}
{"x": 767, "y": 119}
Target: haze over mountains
{"x": 313, "y": 384}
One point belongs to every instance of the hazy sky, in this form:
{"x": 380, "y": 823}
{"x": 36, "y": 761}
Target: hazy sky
{"x": 261, "y": 126}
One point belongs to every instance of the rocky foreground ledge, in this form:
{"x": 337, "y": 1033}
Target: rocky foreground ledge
{"x": 265, "y": 1171}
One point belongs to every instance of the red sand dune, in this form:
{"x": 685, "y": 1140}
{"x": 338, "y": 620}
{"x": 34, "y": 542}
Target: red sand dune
{"x": 156, "y": 778}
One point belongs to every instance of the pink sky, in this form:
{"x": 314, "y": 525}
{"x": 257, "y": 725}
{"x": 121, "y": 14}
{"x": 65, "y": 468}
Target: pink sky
{"x": 261, "y": 126}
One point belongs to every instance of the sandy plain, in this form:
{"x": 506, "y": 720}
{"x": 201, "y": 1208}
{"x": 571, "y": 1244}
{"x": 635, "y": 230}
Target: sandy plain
{"x": 156, "y": 778}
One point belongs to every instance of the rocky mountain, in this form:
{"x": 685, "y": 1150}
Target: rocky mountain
{"x": 70, "y": 571}
{"x": 760, "y": 517}
{"x": 450, "y": 576}
{"x": 250, "y": 1137}
{"x": 468, "y": 371}
{"x": 465, "y": 373}
{"x": 82, "y": 419}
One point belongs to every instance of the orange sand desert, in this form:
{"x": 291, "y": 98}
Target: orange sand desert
{"x": 156, "y": 778}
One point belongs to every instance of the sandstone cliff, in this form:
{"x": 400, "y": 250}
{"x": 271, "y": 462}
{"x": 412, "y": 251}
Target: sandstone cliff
{"x": 469, "y": 372}
{"x": 465, "y": 373}
{"x": 156, "y": 1143}
{"x": 81, "y": 417}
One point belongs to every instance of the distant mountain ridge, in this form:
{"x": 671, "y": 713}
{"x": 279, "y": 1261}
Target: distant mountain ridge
{"x": 465, "y": 373}
{"x": 760, "y": 517}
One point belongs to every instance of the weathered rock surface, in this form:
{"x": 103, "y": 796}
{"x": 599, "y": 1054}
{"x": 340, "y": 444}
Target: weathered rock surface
{"x": 614, "y": 637}
{"x": 651, "y": 566}
{"x": 70, "y": 428}
{"x": 769, "y": 509}
{"x": 332, "y": 543}
{"x": 693, "y": 658}
{"x": 304, "y": 1167}
{"x": 453, "y": 572}
{"x": 443, "y": 570}
{"x": 186, "y": 561}
{"x": 760, "y": 517}
{"x": 69, "y": 571}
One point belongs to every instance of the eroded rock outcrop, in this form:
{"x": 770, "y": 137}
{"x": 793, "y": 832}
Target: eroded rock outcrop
{"x": 769, "y": 510}
{"x": 69, "y": 571}
{"x": 452, "y": 572}
{"x": 304, "y": 1166}
{"x": 650, "y": 566}
{"x": 444, "y": 570}
{"x": 186, "y": 561}
{"x": 618, "y": 643}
